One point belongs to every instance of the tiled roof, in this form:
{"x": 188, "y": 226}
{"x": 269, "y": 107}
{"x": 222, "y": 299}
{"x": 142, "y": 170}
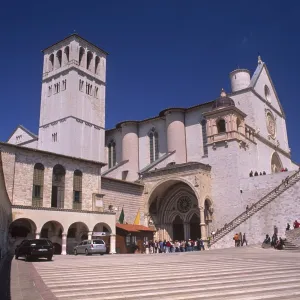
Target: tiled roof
{"x": 133, "y": 228}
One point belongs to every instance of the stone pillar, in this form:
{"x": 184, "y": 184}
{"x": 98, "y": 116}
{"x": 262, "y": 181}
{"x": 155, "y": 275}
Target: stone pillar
{"x": 112, "y": 244}
{"x": 64, "y": 244}
{"x": 37, "y": 235}
{"x": 90, "y": 235}
{"x": 202, "y": 224}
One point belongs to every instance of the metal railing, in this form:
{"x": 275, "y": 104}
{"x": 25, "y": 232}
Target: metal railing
{"x": 256, "y": 207}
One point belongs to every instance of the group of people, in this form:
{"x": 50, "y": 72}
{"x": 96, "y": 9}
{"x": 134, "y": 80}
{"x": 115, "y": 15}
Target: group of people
{"x": 296, "y": 225}
{"x": 240, "y": 239}
{"x": 175, "y": 246}
{"x": 276, "y": 243}
{"x": 251, "y": 174}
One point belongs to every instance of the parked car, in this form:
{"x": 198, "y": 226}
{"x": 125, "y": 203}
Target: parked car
{"x": 35, "y": 248}
{"x": 89, "y": 247}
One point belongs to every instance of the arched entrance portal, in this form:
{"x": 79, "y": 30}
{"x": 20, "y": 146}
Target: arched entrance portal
{"x": 178, "y": 229}
{"x": 21, "y": 229}
{"x": 53, "y": 230}
{"x": 276, "y": 164}
{"x": 77, "y": 232}
{"x": 175, "y": 211}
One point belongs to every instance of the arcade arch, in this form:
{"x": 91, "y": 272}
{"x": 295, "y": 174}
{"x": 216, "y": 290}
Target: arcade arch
{"x": 21, "y": 229}
{"x": 53, "y": 231}
{"x": 77, "y": 232}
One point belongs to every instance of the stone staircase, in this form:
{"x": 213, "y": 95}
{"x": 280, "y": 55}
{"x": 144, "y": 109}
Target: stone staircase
{"x": 256, "y": 207}
{"x": 290, "y": 246}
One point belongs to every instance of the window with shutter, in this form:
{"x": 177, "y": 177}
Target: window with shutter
{"x": 38, "y": 182}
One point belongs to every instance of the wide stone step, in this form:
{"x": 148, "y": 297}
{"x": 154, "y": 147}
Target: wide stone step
{"x": 125, "y": 285}
{"x": 216, "y": 292}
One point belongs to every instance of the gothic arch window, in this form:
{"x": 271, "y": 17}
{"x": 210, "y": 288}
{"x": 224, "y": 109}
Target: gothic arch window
{"x": 153, "y": 145}
{"x": 89, "y": 60}
{"x": 38, "y": 183}
{"x": 111, "y": 154}
{"x": 59, "y": 58}
{"x": 221, "y": 125}
{"x": 77, "y": 189}
{"x": 276, "y": 164}
{"x": 67, "y": 54}
{"x": 81, "y": 56}
{"x": 204, "y": 137}
{"x": 58, "y": 186}
{"x": 97, "y": 65}
{"x": 267, "y": 94}
{"x": 51, "y": 63}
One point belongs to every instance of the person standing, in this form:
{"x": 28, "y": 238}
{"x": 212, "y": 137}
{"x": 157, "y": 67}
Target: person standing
{"x": 288, "y": 227}
{"x": 244, "y": 240}
{"x": 240, "y": 239}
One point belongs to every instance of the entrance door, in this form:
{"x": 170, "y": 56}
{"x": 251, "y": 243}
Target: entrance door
{"x": 178, "y": 229}
{"x": 195, "y": 231}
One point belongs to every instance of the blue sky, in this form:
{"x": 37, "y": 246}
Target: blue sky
{"x": 162, "y": 53}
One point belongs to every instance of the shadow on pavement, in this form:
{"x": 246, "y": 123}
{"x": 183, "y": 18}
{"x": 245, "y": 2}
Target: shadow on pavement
{"x": 5, "y": 271}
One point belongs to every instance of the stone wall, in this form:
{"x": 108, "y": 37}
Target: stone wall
{"x": 282, "y": 210}
{"x": 18, "y": 168}
{"x": 5, "y": 214}
{"x": 121, "y": 194}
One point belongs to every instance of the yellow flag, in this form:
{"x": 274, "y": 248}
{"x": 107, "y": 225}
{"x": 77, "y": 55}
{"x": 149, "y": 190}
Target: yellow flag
{"x": 137, "y": 218}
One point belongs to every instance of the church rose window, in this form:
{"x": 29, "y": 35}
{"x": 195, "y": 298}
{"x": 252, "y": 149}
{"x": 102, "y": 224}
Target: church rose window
{"x": 184, "y": 204}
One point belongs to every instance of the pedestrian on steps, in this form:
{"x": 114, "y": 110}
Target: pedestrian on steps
{"x": 244, "y": 240}
{"x": 236, "y": 239}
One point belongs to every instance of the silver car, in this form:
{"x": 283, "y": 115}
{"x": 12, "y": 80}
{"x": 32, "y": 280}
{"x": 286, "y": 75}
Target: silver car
{"x": 89, "y": 247}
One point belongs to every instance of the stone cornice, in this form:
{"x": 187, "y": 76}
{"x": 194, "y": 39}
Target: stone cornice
{"x": 72, "y": 117}
{"x": 191, "y": 166}
{"x": 223, "y": 110}
{"x": 104, "y": 178}
{"x": 61, "y": 209}
{"x": 27, "y": 149}
{"x": 72, "y": 65}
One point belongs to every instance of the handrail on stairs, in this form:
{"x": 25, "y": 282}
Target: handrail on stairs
{"x": 248, "y": 212}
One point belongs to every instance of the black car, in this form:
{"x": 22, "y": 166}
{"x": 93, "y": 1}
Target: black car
{"x": 35, "y": 248}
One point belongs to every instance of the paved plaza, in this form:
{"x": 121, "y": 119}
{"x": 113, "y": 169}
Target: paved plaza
{"x": 238, "y": 273}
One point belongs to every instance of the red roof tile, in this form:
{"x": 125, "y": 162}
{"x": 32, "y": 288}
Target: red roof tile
{"x": 133, "y": 228}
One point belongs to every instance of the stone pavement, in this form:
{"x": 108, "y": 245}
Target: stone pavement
{"x": 237, "y": 273}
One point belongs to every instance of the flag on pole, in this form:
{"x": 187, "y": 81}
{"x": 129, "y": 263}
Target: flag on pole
{"x": 122, "y": 215}
{"x": 137, "y": 218}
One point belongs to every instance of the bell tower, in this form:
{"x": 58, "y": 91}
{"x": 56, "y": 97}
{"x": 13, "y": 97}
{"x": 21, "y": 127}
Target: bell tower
{"x": 72, "y": 115}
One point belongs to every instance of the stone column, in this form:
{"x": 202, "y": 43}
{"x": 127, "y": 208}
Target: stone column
{"x": 90, "y": 235}
{"x": 112, "y": 244}
{"x": 64, "y": 244}
{"x": 37, "y": 235}
{"x": 202, "y": 224}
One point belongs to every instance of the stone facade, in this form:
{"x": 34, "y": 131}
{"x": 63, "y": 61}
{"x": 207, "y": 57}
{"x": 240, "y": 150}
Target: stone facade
{"x": 186, "y": 170}
{"x": 5, "y": 213}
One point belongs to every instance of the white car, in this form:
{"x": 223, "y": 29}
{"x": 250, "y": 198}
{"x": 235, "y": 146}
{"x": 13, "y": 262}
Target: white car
{"x": 89, "y": 247}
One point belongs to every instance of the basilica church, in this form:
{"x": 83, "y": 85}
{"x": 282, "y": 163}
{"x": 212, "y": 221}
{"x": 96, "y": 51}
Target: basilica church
{"x": 184, "y": 172}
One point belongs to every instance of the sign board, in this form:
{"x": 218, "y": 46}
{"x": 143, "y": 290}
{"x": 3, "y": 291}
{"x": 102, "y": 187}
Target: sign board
{"x": 99, "y": 203}
{"x": 100, "y": 233}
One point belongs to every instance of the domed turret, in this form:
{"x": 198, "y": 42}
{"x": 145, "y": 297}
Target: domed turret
{"x": 240, "y": 79}
{"x": 223, "y": 101}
